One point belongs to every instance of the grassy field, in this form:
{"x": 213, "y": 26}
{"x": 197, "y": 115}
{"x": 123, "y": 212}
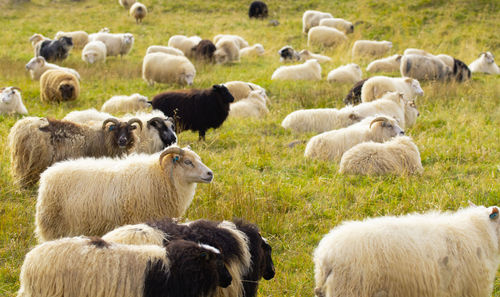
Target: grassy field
{"x": 295, "y": 201}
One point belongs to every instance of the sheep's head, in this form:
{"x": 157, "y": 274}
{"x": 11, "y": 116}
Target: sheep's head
{"x": 488, "y": 57}
{"x": 384, "y": 128}
{"x": 128, "y": 39}
{"x": 35, "y": 63}
{"x": 66, "y": 41}
{"x": 67, "y": 91}
{"x": 415, "y": 86}
{"x": 165, "y": 128}
{"x": 8, "y": 94}
{"x": 287, "y": 53}
{"x": 122, "y": 132}
{"x": 141, "y": 101}
{"x": 267, "y": 265}
{"x": 91, "y": 56}
{"x": 223, "y": 93}
{"x": 221, "y": 56}
{"x": 349, "y": 28}
{"x": 185, "y": 165}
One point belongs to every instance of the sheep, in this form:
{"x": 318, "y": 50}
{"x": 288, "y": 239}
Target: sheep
{"x": 377, "y": 86}
{"x": 54, "y": 50}
{"x": 485, "y": 64}
{"x": 227, "y": 51}
{"x": 254, "y": 50}
{"x": 79, "y": 38}
{"x": 38, "y": 65}
{"x": 430, "y": 254}
{"x": 138, "y": 11}
{"x": 83, "y": 266}
{"x": 184, "y": 43}
{"x": 424, "y": 68}
{"x": 240, "y": 41}
{"x": 397, "y": 156}
{"x": 195, "y": 110}
{"x": 116, "y": 43}
{"x": 307, "y": 55}
{"x": 258, "y": 10}
{"x": 319, "y": 120}
{"x": 311, "y": 18}
{"x": 389, "y": 64}
{"x": 126, "y": 3}
{"x": 350, "y": 73}
{"x": 11, "y": 101}
{"x": 36, "y": 38}
{"x": 134, "y": 102}
{"x": 58, "y": 85}
{"x": 204, "y": 50}
{"x": 340, "y": 24}
{"x": 332, "y": 144}
{"x": 325, "y": 36}
{"x": 252, "y": 106}
{"x": 309, "y": 70}
{"x": 94, "y": 51}
{"x": 287, "y": 53}
{"x": 164, "y": 49}
{"x": 101, "y": 194}
{"x": 241, "y": 89}
{"x": 429, "y": 66}
{"x": 353, "y": 97}
{"x": 88, "y": 116}
{"x": 164, "y": 68}
{"x": 371, "y": 48}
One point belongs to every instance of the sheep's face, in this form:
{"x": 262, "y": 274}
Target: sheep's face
{"x": 128, "y": 39}
{"x": 287, "y": 53}
{"x": 488, "y": 57}
{"x": 267, "y": 265}
{"x": 91, "y": 57}
{"x": 187, "y": 167}
{"x": 384, "y": 128}
{"x": 9, "y": 95}
{"x": 142, "y": 101}
{"x": 221, "y": 56}
{"x": 67, "y": 91}
{"x": 35, "y": 63}
{"x": 189, "y": 78}
{"x": 165, "y": 128}
{"x": 66, "y": 41}
{"x": 223, "y": 93}
{"x": 415, "y": 86}
{"x": 122, "y": 133}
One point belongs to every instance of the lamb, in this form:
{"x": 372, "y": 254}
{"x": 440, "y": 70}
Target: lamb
{"x": 485, "y": 64}
{"x": 36, "y": 38}
{"x": 411, "y": 255}
{"x": 164, "y": 49}
{"x": 377, "y": 86}
{"x": 311, "y": 18}
{"x": 37, "y": 66}
{"x": 354, "y": 95}
{"x": 134, "y": 102}
{"x": 397, "y": 156}
{"x": 116, "y": 43}
{"x": 331, "y": 145}
{"x": 126, "y": 3}
{"x": 11, "y": 101}
{"x": 196, "y": 110}
{"x": 101, "y": 194}
{"x": 389, "y": 64}
{"x": 252, "y": 106}
{"x": 254, "y": 50}
{"x": 58, "y": 85}
{"x": 337, "y": 23}
{"x": 204, "y": 50}
{"x": 54, "y": 50}
{"x": 319, "y": 120}
{"x": 350, "y": 73}
{"x": 309, "y": 70}
{"x": 325, "y": 36}
{"x": 258, "y": 10}
{"x": 227, "y": 51}
{"x": 240, "y": 41}
{"x": 94, "y": 51}
{"x": 287, "y": 53}
{"x": 371, "y": 48}
{"x": 79, "y": 38}
{"x": 307, "y": 55}
{"x": 83, "y": 266}
{"x": 241, "y": 89}
{"x": 138, "y": 11}
{"x": 184, "y": 43}
{"x": 164, "y": 68}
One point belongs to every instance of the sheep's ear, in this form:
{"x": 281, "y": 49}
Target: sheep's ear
{"x": 216, "y": 87}
{"x": 354, "y": 117}
{"x": 16, "y": 88}
{"x": 494, "y": 213}
{"x": 398, "y": 58}
{"x": 408, "y": 80}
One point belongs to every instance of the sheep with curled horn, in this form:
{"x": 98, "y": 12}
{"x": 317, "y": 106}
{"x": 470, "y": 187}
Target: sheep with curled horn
{"x": 36, "y": 143}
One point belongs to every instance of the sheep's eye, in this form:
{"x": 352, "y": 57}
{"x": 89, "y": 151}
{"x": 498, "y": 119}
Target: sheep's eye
{"x": 112, "y": 127}
{"x": 188, "y": 162}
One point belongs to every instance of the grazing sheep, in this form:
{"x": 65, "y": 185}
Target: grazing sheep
{"x": 258, "y": 10}
{"x": 164, "y": 49}
{"x": 431, "y": 254}
{"x": 79, "y": 38}
{"x": 331, "y": 145}
{"x": 254, "y": 50}
{"x": 138, "y": 11}
{"x": 54, "y": 50}
{"x": 58, "y": 85}
{"x": 204, "y": 50}
{"x": 376, "y": 86}
{"x": 240, "y": 41}
{"x": 227, "y": 51}
{"x": 83, "y": 266}
{"x": 101, "y": 194}
{"x": 36, "y": 38}
{"x": 252, "y": 106}
{"x": 424, "y": 68}
{"x": 325, "y": 36}
{"x": 134, "y": 102}
{"x": 116, "y": 43}
{"x": 309, "y": 70}
{"x": 241, "y": 89}
{"x": 184, "y": 43}
{"x": 36, "y": 143}
{"x": 311, "y": 18}
{"x": 319, "y": 120}
{"x": 389, "y": 64}
{"x": 307, "y": 55}
{"x": 340, "y": 24}
{"x": 37, "y": 66}
{"x": 371, "y": 48}
{"x": 350, "y": 73}
{"x": 397, "y": 156}
{"x": 94, "y": 51}
{"x": 164, "y": 68}
{"x": 354, "y": 95}
{"x": 485, "y": 64}
{"x": 126, "y": 3}
{"x": 11, "y": 101}
{"x": 287, "y": 53}
{"x": 195, "y": 110}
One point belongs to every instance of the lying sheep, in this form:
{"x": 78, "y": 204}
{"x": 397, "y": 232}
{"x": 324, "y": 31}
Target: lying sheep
{"x": 83, "y": 266}
{"x": 37, "y": 66}
{"x": 424, "y": 68}
{"x": 331, "y": 145}
{"x": 325, "y": 36}
{"x": 36, "y": 143}
{"x": 94, "y": 51}
{"x": 101, "y": 194}
{"x": 79, "y": 38}
{"x": 254, "y": 50}
{"x": 240, "y": 41}
{"x": 252, "y": 106}
{"x": 117, "y": 104}
{"x": 258, "y": 10}
{"x": 430, "y": 66}
{"x": 311, "y": 18}
{"x": 58, "y": 85}
{"x": 36, "y": 38}
{"x": 116, "y": 43}
{"x": 389, "y": 64}
{"x": 164, "y": 49}
{"x": 309, "y": 70}
{"x": 371, "y": 48}
{"x": 411, "y": 255}
{"x": 227, "y": 51}
{"x": 397, "y": 156}
{"x": 241, "y": 89}
{"x": 353, "y": 97}
{"x": 138, "y": 11}
{"x": 350, "y": 73}
{"x": 319, "y": 120}
{"x": 307, "y": 55}
{"x": 54, "y": 50}
{"x": 204, "y": 50}
{"x": 126, "y": 3}
{"x": 184, "y": 43}
{"x": 11, "y": 101}
{"x": 287, "y": 53}
{"x": 164, "y": 68}
{"x": 485, "y": 64}
{"x": 376, "y": 86}
{"x": 340, "y": 24}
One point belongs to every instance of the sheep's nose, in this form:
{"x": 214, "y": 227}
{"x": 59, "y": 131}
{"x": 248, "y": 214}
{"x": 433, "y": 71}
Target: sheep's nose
{"x": 122, "y": 141}
{"x": 402, "y": 133}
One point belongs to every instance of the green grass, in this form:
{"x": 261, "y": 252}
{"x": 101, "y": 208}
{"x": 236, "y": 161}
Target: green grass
{"x": 295, "y": 201}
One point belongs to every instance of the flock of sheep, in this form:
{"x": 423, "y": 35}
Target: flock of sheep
{"x": 109, "y": 186}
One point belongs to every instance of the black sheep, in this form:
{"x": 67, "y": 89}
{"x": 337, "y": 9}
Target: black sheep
{"x": 258, "y": 9}
{"x": 55, "y": 50}
{"x": 460, "y": 71}
{"x": 354, "y": 95}
{"x": 195, "y": 110}
{"x": 204, "y": 50}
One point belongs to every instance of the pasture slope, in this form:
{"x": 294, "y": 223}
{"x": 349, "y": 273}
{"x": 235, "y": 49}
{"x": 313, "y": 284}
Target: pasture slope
{"x": 295, "y": 201}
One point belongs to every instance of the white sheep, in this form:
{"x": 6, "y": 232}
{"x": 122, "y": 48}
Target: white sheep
{"x": 485, "y": 63}
{"x": 305, "y": 55}
{"x": 309, "y": 70}
{"x": 325, "y": 36}
{"x": 376, "y": 86}
{"x": 389, "y": 64}
{"x": 424, "y": 67}
{"x": 116, "y": 43}
{"x": 347, "y": 74}
{"x": 371, "y": 48}
{"x": 126, "y": 3}
{"x": 397, "y": 156}
{"x": 164, "y": 49}
{"x": 252, "y": 106}
{"x": 79, "y": 38}
{"x": 36, "y": 38}
{"x": 94, "y": 51}
{"x": 164, "y": 68}
{"x": 430, "y": 254}
{"x": 138, "y": 11}
{"x": 11, "y": 101}
{"x": 103, "y": 193}
{"x": 134, "y": 102}
{"x": 332, "y": 144}
{"x": 240, "y": 41}
{"x": 227, "y": 51}
{"x": 37, "y": 66}
{"x": 311, "y": 18}
{"x": 241, "y": 89}
{"x": 254, "y": 50}
{"x": 184, "y": 43}
{"x": 87, "y": 116}
{"x": 337, "y": 23}
{"x": 320, "y": 120}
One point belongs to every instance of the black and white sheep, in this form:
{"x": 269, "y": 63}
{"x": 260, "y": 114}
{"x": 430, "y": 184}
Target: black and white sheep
{"x": 258, "y": 10}
{"x": 54, "y": 50}
{"x": 11, "y": 101}
{"x": 287, "y": 53}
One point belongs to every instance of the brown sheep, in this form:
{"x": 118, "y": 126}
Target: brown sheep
{"x": 58, "y": 85}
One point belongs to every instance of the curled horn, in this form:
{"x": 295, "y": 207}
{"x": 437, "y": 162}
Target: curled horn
{"x": 156, "y": 120}
{"x": 135, "y": 120}
{"x": 110, "y": 120}
{"x": 171, "y": 150}
{"x": 378, "y": 119}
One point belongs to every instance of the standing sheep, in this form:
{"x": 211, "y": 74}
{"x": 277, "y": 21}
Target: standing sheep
{"x": 258, "y": 10}
{"x": 325, "y": 36}
{"x": 11, "y": 101}
{"x": 485, "y": 63}
{"x": 340, "y": 24}
{"x": 116, "y": 44}
{"x": 94, "y": 51}
{"x": 79, "y": 38}
{"x": 376, "y": 86}
{"x": 309, "y": 70}
{"x": 164, "y": 68}
{"x": 204, "y": 50}
{"x": 431, "y": 254}
{"x": 37, "y": 66}
{"x": 184, "y": 43}
{"x": 389, "y": 64}
{"x": 311, "y": 18}
{"x": 252, "y": 106}
{"x": 241, "y": 89}
{"x": 54, "y": 50}
{"x": 254, "y": 50}
{"x": 227, "y": 51}
{"x": 307, "y": 55}
{"x": 134, "y": 102}
{"x": 164, "y": 49}
{"x": 371, "y": 48}
{"x": 319, "y": 120}
{"x": 138, "y": 11}
{"x": 58, "y": 85}
{"x": 350, "y": 73}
